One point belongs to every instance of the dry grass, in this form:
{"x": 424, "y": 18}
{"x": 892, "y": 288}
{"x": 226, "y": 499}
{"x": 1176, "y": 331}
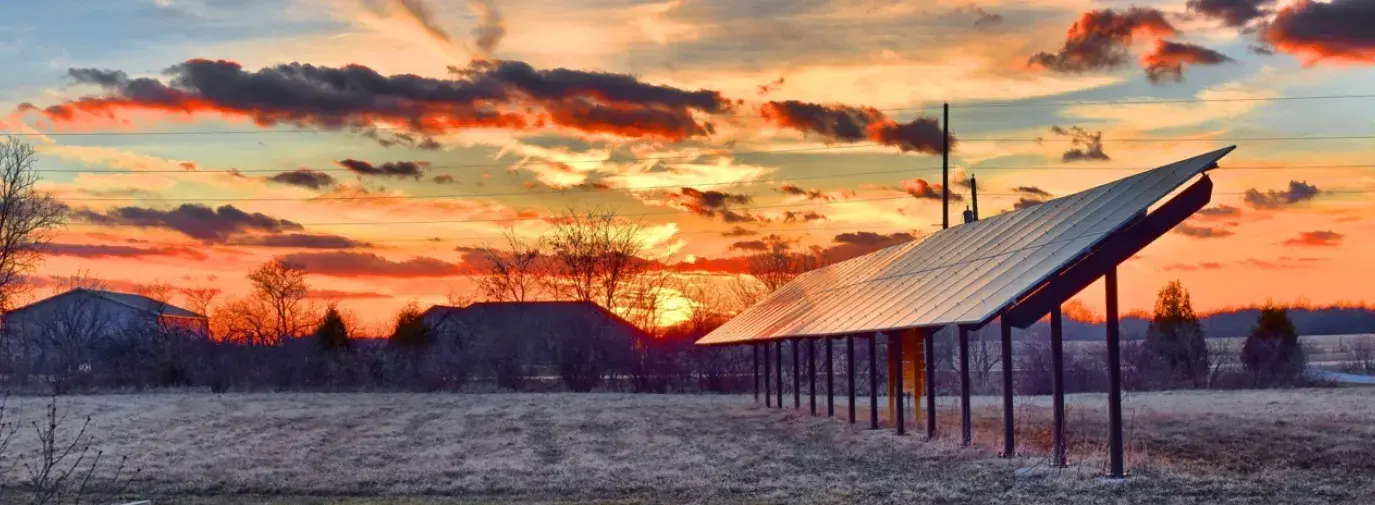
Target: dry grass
{"x": 1310, "y": 446}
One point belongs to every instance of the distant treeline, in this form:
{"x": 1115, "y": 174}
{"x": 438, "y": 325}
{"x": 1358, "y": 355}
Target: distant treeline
{"x": 1234, "y": 323}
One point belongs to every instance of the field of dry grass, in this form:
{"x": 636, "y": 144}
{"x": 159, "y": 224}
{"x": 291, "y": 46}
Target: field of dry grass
{"x": 1307, "y": 446}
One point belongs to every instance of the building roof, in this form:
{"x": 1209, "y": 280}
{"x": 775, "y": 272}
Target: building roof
{"x": 964, "y": 275}
{"x": 486, "y": 314}
{"x": 135, "y": 301}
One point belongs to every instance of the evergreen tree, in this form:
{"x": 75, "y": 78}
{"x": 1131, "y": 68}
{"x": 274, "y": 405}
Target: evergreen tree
{"x": 332, "y": 334}
{"x": 1175, "y": 337}
{"x": 410, "y": 328}
{"x": 1272, "y": 352}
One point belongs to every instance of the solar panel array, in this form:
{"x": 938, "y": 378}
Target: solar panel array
{"x": 962, "y": 275}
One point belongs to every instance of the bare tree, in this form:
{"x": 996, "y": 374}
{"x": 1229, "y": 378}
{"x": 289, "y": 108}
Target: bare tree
{"x": 156, "y": 290}
{"x": 515, "y": 273}
{"x": 771, "y": 270}
{"x": 282, "y": 286}
{"x": 61, "y": 470}
{"x": 82, "y": 279}
{"x": 594, "y": 255}
{"x": 1360, "y": 353}
{"x": 27, "y": 217}
{"x": 199, "y": 300}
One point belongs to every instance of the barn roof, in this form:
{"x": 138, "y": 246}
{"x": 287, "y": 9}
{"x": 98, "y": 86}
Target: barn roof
{"x": 139, "y": 302}
{"x": 521, "y": 316}
{"x": 967, "y": 274}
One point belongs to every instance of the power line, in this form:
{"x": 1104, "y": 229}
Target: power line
{"x": 578, "y": 189}
{"x": 495, "y": 165}
{"x": 850, "y": 226}
{"x": 1221, "y": 139}
{"x": 643, "y": 214}
{"x": 629, "y": 189}
{"x": 898, "y": 109}
{"x": 675, "y": 213}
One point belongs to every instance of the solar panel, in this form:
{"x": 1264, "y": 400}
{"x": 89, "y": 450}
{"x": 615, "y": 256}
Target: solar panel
{"x": 962, "y": 275}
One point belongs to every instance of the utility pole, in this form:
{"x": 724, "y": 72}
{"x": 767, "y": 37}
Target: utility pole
{"x": 945, "y": 166}
{"x": 974, "y": 195}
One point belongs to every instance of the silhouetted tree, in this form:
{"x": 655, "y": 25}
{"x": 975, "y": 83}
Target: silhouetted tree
{"x": 410, "y": 331}
{"x": 332, "y": 334}
{"x": 1175, "y": 338}
{"x": 27, "y": 216}
{"x": 1272, "y": 352}
{"x": 282, "y": 286}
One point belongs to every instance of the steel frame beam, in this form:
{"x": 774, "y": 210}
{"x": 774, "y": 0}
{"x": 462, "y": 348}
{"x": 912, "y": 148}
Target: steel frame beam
{"x": 929, "y": 348}
{"x": 797, "y": 374}
{"x": 850, "y": 369}
{"x": 778, "y": 367}
{"x": 873, "y": 382}
{"x": 966, "y": 427}
{"x": 768, "y": 386}
{"x": 811, "y": 372}
{"x": 1009, "y": 431}
{"x": 1115, "y": 249}
{"x": 896, "y": 339}
{"x": 1115, "y": 456}
{"x": 1057, "y": 385}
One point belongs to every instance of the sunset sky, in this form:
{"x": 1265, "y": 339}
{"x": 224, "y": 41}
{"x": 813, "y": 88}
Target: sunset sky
{"x": 378, "y": 141}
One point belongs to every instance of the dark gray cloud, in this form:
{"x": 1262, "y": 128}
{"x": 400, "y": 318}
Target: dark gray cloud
{"x": 194, "y": 220}
{"x": 1031, "y": 190}
{"x": 739, "y": 231}
{"x": 1339, "y": 30}
{"x": 795, "y": 190}
{"x": 398, "y": 169}
{"x": 302, "y": 240}
{"x": 304, "y": 178}
{"x": 1296, "y": 192}
{"x": 496, "y": 94}
{"x": 1084, "y": 145}
{"x": 1234, "y": 13}
{"x": 1025, "y": 202}
{"x": 853, "y": 124}
{"x": 1219, "y": 211}
{"x": 1203, "y": 231}
{"x": 793, "y": 216}
{"x": 119, "y": 251}
{"x": 363, "y": 264}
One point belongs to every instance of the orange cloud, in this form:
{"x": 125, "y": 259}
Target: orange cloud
{"x": 1099, "y": 39}
{"x": 1319, "y": 238}
{"x": 1339, "y": 30}
{"x": 852, "y": 124}
{"x": 1166, "y": 62}
{"x": 485, "y": 94}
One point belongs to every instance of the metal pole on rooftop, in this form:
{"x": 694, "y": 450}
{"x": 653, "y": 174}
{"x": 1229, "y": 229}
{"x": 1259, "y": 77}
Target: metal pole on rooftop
{"x": 974, "y": 195}
{"x": 778, "y": 367}
{"x": 1009, "y": 437}
{"x": 873, "y": 381}
{"x": 896, "y": 349}
{"x": 811, "y": 372}
{"x": 797, "y": 374}
{"x": 945, "y": 166}
{"x": 850, "y": 369}
{"x": 754, "y": 353}
{"x": 768, "y": 387}
{"x": 1114, "y": 379}
{"x": 966, "y": 428}
{"x": 1057, "y": 386}
{"x": 929, "y": 349}
{"x": 830, "y": 382}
